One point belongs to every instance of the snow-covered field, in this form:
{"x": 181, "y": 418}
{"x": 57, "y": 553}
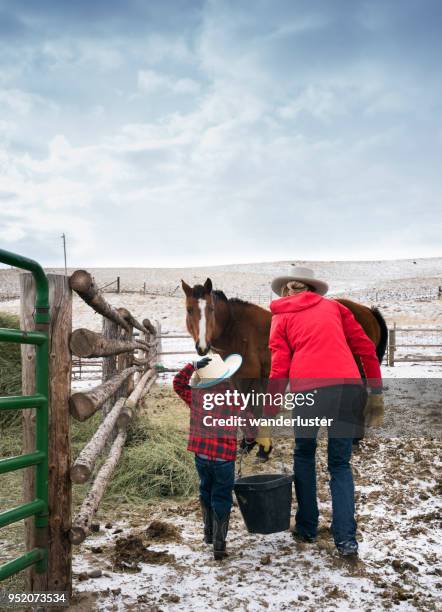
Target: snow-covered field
{"x": 399, "y": 550}
{"x": 398, "y": 513}
{"x": 404, "y": 290}
{"x": 397, "y": 481}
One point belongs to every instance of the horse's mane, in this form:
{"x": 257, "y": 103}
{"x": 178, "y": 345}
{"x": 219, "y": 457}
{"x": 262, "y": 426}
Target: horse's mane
{"x": 220, "y": 295}
{"x": 198, "y": 292}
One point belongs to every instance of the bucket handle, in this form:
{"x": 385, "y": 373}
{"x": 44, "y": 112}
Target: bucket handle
{"x": 241, "y": 455}
{"x": 242, "y": 452}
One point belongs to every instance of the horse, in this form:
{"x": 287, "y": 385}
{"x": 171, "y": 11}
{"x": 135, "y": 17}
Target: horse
{"x": 228, "y": 326}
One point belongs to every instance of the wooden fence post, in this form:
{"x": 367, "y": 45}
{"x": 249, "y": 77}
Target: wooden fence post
{"x": 59, "y": 574}
{"x": 391, "y": 345}
{"x": 118, "y": 284}
{"x": 125, "y": 360}
{"x": 112, "y": 331}
{"x": 158, "y": 344}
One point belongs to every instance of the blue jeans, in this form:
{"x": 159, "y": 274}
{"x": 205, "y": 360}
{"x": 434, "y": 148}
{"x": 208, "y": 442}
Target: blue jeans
{"x": 341, "y": 477}
{"x": 216, "y": 484}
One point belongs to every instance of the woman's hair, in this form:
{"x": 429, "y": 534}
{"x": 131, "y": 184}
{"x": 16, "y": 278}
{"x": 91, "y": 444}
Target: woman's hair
{"x": 294, "y": 287}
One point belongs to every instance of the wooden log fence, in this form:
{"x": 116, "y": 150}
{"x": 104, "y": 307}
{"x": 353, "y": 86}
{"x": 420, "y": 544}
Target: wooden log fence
{"x": 84, "y": 404}
{"x": 82, "y": 522}
{"x": 396, "y": 344}
{"x": 132, "y": 321}
{"x": 86, "y": 343}
{"x": 134, "y": 398}
{"x": 85, "y": 462}
{"x": 111, "y": 331}
{"x": 58, "y": 576}
{"x": 83, "y": 284}
{"x": 126, "y": 359}
{"x": 125, "y": 354}
{"x": 110, "y": 284}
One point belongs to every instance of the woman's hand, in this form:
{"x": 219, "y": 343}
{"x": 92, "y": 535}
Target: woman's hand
{"x": 374, "y": 410}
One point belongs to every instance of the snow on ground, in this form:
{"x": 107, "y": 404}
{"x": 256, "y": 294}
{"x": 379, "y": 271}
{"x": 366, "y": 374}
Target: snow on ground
{"x": 397, "y": 512}
{"x": 397, "y": 283}
{"x": 255, "y": 277}
{"x": 397, "y": 481}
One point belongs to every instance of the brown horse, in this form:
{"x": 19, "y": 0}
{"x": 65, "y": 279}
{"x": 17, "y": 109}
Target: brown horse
{"x": 234, "y": 326}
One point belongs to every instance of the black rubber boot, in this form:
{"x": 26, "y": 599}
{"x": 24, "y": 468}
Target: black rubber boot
{"x": 348, "y": 549}
{"x": 208, "y": 522}
{"x": 220, "y": 528}
{"x": 262, "y": 455}
{"x": 305, "y": 539}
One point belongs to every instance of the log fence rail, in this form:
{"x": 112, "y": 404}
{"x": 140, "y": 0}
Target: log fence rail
{"x": 124, "y": 357}
{"x": 421, "y": 338}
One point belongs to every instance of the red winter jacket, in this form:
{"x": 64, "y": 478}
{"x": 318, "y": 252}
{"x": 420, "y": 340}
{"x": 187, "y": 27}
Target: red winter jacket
{"x": 313, "y": 339}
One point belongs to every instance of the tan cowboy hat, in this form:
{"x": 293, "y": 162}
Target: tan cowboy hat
{"x": 216, "y": 370}
{"x": 304, "y": 275}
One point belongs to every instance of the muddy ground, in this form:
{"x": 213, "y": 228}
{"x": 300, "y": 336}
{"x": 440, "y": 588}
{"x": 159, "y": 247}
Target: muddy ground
{"x": 153, "y": 558}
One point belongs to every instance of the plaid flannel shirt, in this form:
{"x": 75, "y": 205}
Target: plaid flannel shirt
{"x": 215, "y": 442}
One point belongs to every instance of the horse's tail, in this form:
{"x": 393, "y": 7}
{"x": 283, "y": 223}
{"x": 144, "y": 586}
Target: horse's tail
{"x": 382, "y": 344}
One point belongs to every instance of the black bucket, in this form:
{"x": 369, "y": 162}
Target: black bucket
{"x": 265, "y": 501}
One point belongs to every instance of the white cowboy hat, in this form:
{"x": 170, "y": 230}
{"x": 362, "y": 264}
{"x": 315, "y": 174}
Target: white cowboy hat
{"x": 304, "y": 275}
{"x": 216, "y": 370}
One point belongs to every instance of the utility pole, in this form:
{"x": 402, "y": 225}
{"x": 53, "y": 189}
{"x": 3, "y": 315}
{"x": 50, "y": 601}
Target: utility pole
{"x": 63, "y": 237}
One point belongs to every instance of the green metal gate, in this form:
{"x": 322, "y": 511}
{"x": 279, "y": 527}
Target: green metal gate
{"x": 38, "y": 507}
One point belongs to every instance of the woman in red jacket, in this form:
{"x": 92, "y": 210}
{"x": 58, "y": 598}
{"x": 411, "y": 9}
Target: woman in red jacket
{"x": 313, "y": 341}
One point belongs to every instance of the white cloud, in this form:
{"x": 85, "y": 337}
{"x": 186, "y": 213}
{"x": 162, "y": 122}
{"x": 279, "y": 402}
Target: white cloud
{"x": 302, "y": 23}
{"x": 186, "y": 86}
{"x": 12, "y": 232}
{"x": 159, "y": 47}
{"x": 216, "y": 131}
{"x": 23, "y": 102}
{"x": 150, "y": 81}
{"x": 319, "y": 102}
{"x": 82, "y": 51}
{"x": 7, "y": 127}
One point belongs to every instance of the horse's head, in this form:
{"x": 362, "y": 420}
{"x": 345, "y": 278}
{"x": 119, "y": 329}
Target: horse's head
{"x": 204, "y": 319}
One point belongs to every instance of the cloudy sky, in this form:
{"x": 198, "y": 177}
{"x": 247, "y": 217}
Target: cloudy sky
{"x": 185, "y": 132}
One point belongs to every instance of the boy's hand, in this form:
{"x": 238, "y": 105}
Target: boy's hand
{"x": 247, "y": 445}
{"x": 201, "y": 363}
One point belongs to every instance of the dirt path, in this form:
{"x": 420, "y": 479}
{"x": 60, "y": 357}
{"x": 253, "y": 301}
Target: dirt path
{"x": 398, "y": 518}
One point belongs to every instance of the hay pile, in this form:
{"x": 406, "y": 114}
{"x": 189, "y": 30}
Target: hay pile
{"x": 155, "y": 463}
{"x": 10, "y": 371}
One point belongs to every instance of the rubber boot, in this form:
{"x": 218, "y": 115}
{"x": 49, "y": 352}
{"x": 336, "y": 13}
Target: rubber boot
{"x": 220, "y": 528}
{"x": 262, "y": 456}
{"x": 208, "y": 522}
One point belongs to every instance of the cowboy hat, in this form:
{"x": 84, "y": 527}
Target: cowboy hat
{"x": 304, "y": 275}
{"x": 216, "y": 370}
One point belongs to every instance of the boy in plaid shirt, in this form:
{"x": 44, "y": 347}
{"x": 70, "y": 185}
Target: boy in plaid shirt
{"x": 214, "y": 448}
